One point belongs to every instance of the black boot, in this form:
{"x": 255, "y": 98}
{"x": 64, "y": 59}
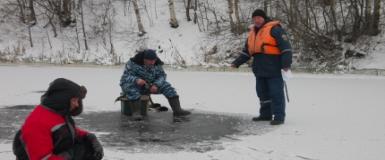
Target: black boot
{"x": 277, "y": 122}
{"x": 137, "y": 107}
{"x": 175, "y": 105}
{"x": 143, "y": 108}
{"x": 259, "y": 118}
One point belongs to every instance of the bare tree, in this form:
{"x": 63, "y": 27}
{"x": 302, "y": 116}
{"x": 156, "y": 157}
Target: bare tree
{"x": 138, "y": 18}
{"x": 173, "y": 20}
{"x": 110, "y": 29}
{"x": 237, "y": 17}
{"x": 50, "y": 21}
{"x": 201, "y": 17}
{"x": 21, "y": 4}
{"x": 30, "y": 35}
{"x": 188, "y": 7}
{"x": 205, "y": 5}
{"x": 66, "y": 12}
{"x": 195, "y": 12}
{"x": 27, "y": 13}
{"x": 231, "y": 12}
{"x": 375, "y": 28}
{"x": 84, "y": 30}
{"x": 32, "y": 18}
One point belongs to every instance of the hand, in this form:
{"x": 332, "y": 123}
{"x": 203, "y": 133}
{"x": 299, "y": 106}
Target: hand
{"x": 97, "y": 147}
{"x": 140, "y": 82}
{"x": 154, "y": 89}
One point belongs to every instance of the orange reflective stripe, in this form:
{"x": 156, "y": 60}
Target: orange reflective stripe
{"x": 263, "y": 42}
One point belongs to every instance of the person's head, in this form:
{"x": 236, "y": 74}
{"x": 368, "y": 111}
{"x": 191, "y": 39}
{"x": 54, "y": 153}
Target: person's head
{"x": 149, "y": 57}
{"x": 259, "y": 18}
{"x": 65, "y": 97}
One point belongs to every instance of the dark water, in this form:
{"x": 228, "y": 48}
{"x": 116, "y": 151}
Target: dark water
{"x": 200, "y": 132}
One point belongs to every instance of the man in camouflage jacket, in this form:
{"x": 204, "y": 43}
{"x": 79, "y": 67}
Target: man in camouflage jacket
{"x": 144, "y": 74}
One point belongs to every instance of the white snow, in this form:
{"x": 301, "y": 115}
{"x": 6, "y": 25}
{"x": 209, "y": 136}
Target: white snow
{"x": 329, "y": 116}
{"x": 155, "y": 17}
{"x": 376, "y": 56}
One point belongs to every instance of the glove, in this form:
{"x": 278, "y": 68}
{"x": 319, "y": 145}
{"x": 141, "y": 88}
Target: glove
{"x": 96, "y": 146}
{"x": 67, "y": 155}
{"x": 286, "y": 75}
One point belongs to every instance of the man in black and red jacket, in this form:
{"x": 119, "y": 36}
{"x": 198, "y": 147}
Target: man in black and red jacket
{"x": 49, "y": 132}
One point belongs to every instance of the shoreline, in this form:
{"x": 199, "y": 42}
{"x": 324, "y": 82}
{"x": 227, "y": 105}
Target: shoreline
{"x": 198, "y": 68}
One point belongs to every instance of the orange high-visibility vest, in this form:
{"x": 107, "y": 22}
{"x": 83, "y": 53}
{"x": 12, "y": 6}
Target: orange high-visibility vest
{"x": 262, "y": 42}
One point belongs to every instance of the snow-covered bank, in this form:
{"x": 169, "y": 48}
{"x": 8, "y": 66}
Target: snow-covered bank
{"x": 329, "y": 117}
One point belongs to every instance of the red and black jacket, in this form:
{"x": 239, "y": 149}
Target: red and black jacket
{"x": 49, "y": 132}
{"x": 46, "y": 135}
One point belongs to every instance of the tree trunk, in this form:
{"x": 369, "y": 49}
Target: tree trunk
{"x": 231, "y": 11}
{"x": 368, "y": 14}
{"x": 77, "y": 35}
{"x": 50, "y": 19}
{"x": 293, "y": 12}
{"x": 334, "y": 20}
{"x": 65, "y": 13}
{"x": 32, "y": 20}
{"x": 112, "y": 49}
{"x": 49, "y": 39}
{"x": 342, "y": 16}
{"x": 188, "y": 6}
{"x": 307, "y": 14}
{"x": 124, "y": 7}
{"x": 237, "y": 17}
{"x": 138, "y": 18}
{"x": 312, "y": 9}
{"x": 201, "y": 17}
{"x": 173, "y": 20}
{"x": 206, "y": 16}
{"x": 375, "y": 28}
{"x": 195, "y": 12}
{"x": 22, "y": 10}
{"x": 216, "y": 21}
{"x": 84, "y": 30}
{"x": 266, "y": 5}
{"x": 357, "y": 21}
{"x": 30, "y": 35}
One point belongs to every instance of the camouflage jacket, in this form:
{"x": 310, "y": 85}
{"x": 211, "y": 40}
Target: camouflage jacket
{"x": 152, "y": 75}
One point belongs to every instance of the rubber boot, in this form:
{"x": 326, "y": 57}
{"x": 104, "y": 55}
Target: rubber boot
{"x": 136, "y": 107}
{"x": 277, "y": 122}
{"x": 259, "y": 118}
{"x": 264, "y": 112}
{"x": 143, "y": 108}
{"x": 175, "y": 105}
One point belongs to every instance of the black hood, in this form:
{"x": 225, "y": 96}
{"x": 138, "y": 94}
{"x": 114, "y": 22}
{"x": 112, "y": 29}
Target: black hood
{"x": 139, "y": 57}
{"x": 59, "y": 93}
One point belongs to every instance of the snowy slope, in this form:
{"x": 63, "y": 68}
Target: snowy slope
{"x": 376, "y": 57}
{"x": 329, "y": 116}
{"x": 186, "y": 41}
{"x": 155, "y": 17}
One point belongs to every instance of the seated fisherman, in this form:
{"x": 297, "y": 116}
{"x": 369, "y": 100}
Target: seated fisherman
{"x": 144, "y": 74}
